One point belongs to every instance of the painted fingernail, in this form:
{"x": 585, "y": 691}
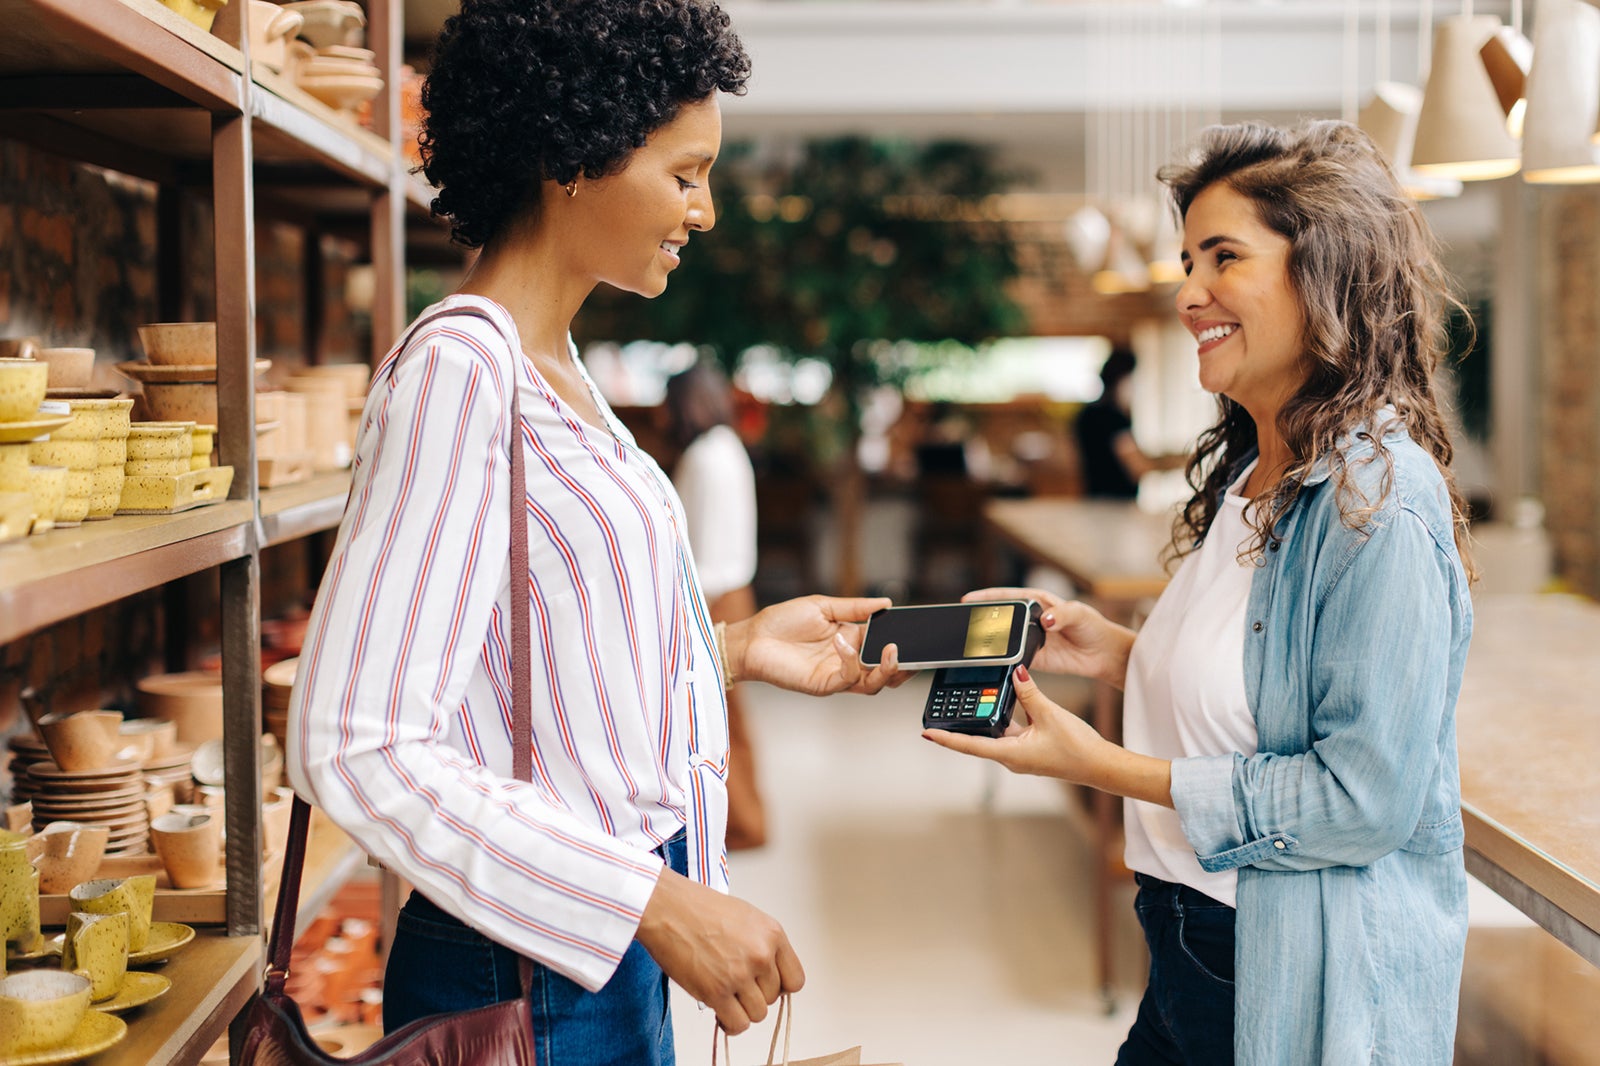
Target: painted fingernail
{"x": 1047, "y": 620}
{"x": 1022, "y": 674}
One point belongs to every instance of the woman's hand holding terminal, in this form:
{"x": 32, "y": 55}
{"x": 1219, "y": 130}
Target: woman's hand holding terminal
{"x": 721, "y": 950}
{"x": 811, "y": 644}
{"x": 1078, "y": 639}
{"x": 1057, "y": 743}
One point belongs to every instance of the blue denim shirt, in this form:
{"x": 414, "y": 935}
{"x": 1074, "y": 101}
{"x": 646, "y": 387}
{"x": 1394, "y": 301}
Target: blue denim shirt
{"x": 1345, "y": 827}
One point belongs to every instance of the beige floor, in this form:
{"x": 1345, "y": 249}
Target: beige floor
{"x": 936, "y": 932}
{"x": 933, "y": 932}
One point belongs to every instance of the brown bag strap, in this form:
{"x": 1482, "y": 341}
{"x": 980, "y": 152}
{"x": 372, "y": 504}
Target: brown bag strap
{"x": 294, "y": 855}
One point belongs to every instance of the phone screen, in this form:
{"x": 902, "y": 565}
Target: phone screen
{"x": 946, "y": 632}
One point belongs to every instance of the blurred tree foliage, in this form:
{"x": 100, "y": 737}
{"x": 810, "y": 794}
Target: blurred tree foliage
{"x": 853, "y": 241}
{"x": 835, "y": 253}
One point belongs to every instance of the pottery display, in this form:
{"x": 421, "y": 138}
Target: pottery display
{"x": 83, "y": 740}
{"x": 181, "y": 401}
{"x": 189, "y": 846}
{"x": 331, "y": 22}
{"x": 70, "y": 853}
{"x": 271, "y": 29}
{"x": 19, "y": 893}
{"x": 95, "y": 946}
{"x": 134, "y": 896}
{"x": 69, "y": 368}
{"x": 22, "y": 386}
{"x": 40, "y": 1009}
{"x": 192, "y": 701}
{"x": 161, "y": 440}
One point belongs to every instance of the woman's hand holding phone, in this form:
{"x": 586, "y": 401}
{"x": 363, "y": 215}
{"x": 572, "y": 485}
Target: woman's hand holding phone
{"x": 1078, "y": 639}
{"x": 811, "y": 644}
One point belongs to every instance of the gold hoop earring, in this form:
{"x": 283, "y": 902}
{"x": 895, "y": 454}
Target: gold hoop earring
{"x": 572, "y": 188}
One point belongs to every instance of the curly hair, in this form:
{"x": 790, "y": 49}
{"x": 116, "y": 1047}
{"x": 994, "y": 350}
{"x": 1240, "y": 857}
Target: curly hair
{"x": 527, "y": 91}
{"x": 1373, "y": 297}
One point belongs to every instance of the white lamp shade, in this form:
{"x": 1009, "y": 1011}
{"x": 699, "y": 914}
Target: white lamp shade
{"x": 1461, "y": 132}
{"x": 1087, "y": 232}
{"x": 1390, "y": 119}
{"x": 1563, "y": 95}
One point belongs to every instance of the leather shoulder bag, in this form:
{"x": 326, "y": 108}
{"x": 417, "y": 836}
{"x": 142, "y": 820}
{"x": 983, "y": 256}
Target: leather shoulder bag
{"x": 497, "y": 1035}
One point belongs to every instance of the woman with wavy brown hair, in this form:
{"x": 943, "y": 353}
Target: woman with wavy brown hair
{"x": 1289, "y": 759}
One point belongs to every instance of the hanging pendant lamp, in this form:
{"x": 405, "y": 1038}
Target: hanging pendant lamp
{"x": 1461, "y": 131}
{"x": 1390, "y": 119}
{"x": 1507, "y": 57}
{"x": 1563, "y": 95}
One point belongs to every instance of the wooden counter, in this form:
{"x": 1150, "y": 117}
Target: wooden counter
{"x": 1111, "y": 550}
{"x": 1529, "y": 733}
{"x": 212, "y": 978}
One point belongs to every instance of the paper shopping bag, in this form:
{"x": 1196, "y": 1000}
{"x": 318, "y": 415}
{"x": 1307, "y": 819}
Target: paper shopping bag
{"x": 781, "y": 1027}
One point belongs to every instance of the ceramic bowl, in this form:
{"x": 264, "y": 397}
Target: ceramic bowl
{"x": 342, "y": 92}
{"x": 200, "y": 12}
{"x": 72, "y": 454}
{"x": 39, "y": 1009}
{"x": 22, "y": 387}
{"x": 70, "y": 368}
{"x": 157, "y": 467}
{"x": 331, "y": 22}
{"x": 111, "y": 451}
{"x": 74, "y": 509}
{"x": 188, "y": 402}
{"x": 96, "y": 420}
{"x": 16, "y": 515}
{"x": 180, "y": 343}
{"x": 191, "y": 701}
{"x": 48, "y": 487}
{"x": 161, "y": 440}
{"x": 14, "y": 460}
{"x": 20, "y": 347}
{"x": 271, "y": 29}
{"x": 107, "y": 492}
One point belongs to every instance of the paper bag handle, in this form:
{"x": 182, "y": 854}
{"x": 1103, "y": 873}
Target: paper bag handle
{"x": 783, "y": 1024}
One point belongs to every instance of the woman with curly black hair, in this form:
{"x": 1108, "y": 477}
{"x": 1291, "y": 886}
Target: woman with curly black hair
{"x": 571, "y": 142}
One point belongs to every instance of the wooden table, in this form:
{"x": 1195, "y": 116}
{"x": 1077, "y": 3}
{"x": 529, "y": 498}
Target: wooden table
{"x": 1528, "y": 725}
{"x": 1112, "y": 552}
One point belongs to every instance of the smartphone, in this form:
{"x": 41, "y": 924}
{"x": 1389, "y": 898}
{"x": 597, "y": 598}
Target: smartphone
{"x": 981, "y": 633}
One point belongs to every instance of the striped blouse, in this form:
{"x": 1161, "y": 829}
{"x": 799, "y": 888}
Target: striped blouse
{"x": 400, "y": 718}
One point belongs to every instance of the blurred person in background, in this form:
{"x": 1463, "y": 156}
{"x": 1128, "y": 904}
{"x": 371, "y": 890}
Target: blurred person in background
{"x": 1112, "y": 460}
{"x": 717, "y": 485}
{"x": 1289, "y": 753}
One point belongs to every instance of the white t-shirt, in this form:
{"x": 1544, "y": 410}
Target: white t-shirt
{"x": 718, "y": 488}
{"x": 1185, "y": 691}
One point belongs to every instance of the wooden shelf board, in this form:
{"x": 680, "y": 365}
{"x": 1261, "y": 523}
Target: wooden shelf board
{"x": 291, "y": 125}
{"x": 65, "y": 572}
{"x": 294, "y": 511}
{"x": 212, "y": 977}
{"x": 114, "y": 36}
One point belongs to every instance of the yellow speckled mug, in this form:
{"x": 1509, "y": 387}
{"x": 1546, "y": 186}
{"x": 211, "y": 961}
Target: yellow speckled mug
{"x": 19, "y": 893}
{"x": 96, "y": 947}
{"x": 39, "y": 1009}
{"x": 134, "y": 896}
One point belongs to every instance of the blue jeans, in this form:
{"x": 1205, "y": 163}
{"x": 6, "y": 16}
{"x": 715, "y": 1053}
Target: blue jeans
{"x": 439, "y": 964}
{"x": 1186, "y": 1015}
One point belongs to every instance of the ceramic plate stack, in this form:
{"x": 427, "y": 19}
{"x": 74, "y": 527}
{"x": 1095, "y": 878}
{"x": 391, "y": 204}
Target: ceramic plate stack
{"x": 27, "y": 749}
{"x": 112, "y": 797}
{"x": 276, "y": 681}
{"x": 172, "y": 771}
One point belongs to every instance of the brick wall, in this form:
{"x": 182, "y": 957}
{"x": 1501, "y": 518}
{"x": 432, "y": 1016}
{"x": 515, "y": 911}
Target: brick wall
{"x": 78, "y": 267}
{"x": 1568, "y": 414}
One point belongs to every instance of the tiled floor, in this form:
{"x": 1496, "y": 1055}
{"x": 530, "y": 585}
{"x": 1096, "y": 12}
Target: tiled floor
{"x": 933, "y": 932}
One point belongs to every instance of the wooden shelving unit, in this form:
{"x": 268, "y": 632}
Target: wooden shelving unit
{"x": 129, "y": 86}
